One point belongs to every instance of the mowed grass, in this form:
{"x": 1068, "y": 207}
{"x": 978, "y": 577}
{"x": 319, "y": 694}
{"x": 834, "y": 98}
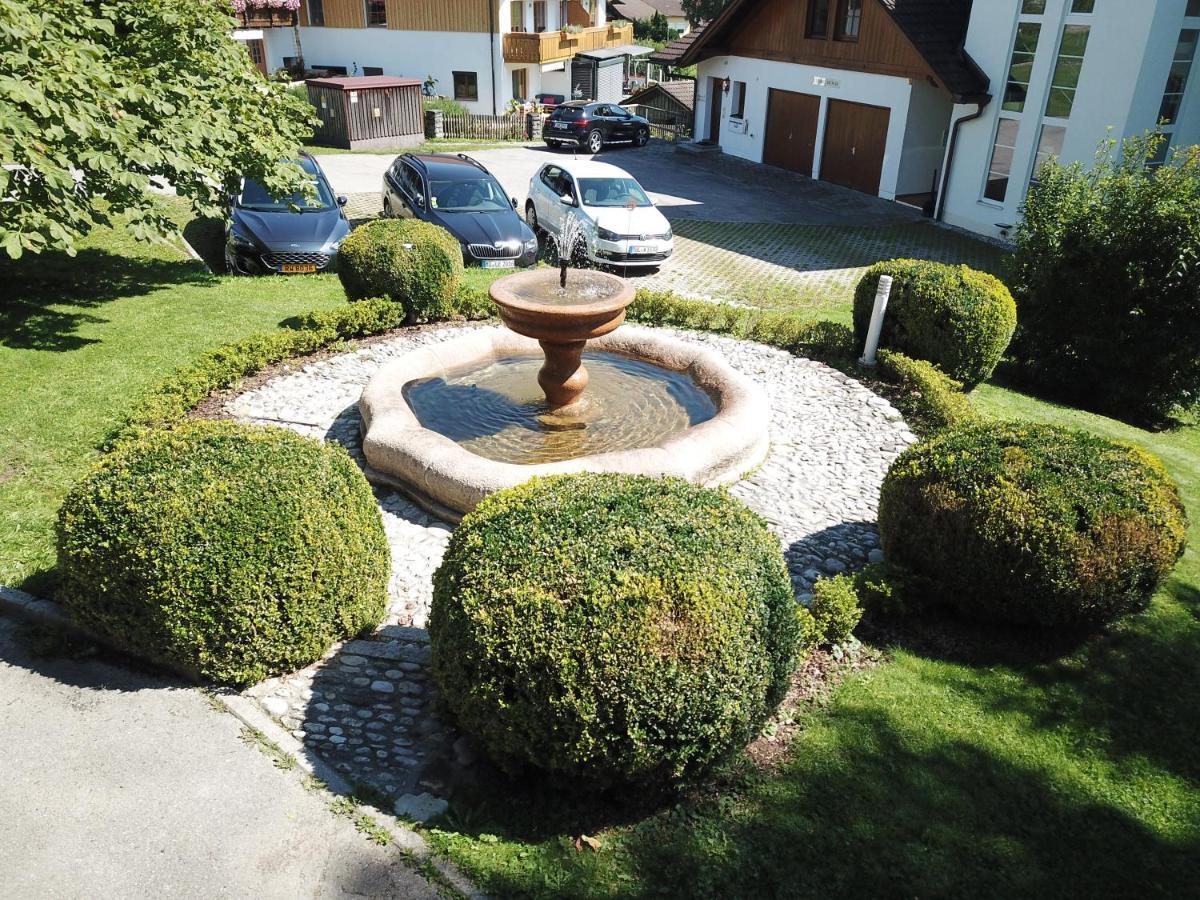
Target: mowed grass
{"x": 972, "y": 762}
{"x": 81, "y": 338}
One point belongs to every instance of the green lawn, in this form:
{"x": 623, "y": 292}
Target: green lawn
{"x": 81, "y": 338}
{"x": 968, "y": 763}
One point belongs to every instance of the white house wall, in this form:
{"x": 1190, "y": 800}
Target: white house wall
{"x": 1119, "y": 92}
{"x": 408, "y": 54}
{"x": 761, "y": 75}
{"x": 924, "y": 138}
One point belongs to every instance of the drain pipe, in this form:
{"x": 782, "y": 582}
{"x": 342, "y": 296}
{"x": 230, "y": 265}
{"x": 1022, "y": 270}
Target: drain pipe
{"x": 940, "y": 203}
{"x": 492, "y": 47}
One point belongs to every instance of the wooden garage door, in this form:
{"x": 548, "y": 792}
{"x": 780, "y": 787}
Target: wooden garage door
{"x": 855, "y": 137}
{"x": 791, "y": 139}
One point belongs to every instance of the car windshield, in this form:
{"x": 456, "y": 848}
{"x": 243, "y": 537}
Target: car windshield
{"x": 255, "y": 197}
{"x": 475, "y": 195}
{"x": 612, "y": 192}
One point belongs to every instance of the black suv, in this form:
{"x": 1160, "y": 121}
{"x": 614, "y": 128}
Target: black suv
{"x": 591, "y": 125}
{"x": 459, "y": 194}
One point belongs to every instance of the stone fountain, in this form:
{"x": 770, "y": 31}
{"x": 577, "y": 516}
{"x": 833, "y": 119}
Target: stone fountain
{"x": 562, "y": 319}
{"x": 462, "y": 417}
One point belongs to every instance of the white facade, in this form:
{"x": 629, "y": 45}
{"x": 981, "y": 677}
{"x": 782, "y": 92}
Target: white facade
{"x": 906, "y": 167}
{"x": 1129, "y": 52}
{"x": 419, "y": 54}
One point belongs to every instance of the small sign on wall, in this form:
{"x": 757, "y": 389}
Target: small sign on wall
{"x": 354, "y": 96}
{"x": 376, "y": 111}
{"x": 737, "y": 126}
{"x": 822, "y": 81}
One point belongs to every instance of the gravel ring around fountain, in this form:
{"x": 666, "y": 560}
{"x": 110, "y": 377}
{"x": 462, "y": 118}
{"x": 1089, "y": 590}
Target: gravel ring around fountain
{"x": 832, "y": 441}
{"x": 369, "y": 708}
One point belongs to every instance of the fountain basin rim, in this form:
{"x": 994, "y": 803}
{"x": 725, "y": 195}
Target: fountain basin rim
{"x": 504, "y": 296}
{"x": 449, "y": 480}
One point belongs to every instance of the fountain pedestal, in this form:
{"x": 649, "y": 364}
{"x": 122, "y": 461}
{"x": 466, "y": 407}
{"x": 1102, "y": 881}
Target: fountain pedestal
{"x": 562, "y": 320}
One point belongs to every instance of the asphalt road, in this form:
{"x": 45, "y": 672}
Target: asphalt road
{"x": 116, "y": 784}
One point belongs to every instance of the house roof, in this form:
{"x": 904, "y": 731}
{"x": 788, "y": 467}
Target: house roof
{"x": 644, "y": 9}
{"x": 364, "y": 82}
{"x": 683, "y": 92}
{"x": 936, "y": 28}
{"x": 671, "y": 54}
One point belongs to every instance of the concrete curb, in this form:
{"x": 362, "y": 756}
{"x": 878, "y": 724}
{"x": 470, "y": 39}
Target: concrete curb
{"x": 49, "y": 614}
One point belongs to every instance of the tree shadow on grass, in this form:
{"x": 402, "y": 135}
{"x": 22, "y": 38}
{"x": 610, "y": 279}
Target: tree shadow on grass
{"x": 47, "y": 296}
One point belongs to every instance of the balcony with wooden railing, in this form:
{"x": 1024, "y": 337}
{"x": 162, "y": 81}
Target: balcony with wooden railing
{"x": 551, "y": 46}
{"x": 266, "y": 17}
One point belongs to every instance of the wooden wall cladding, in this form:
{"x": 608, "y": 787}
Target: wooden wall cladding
{"x": 409, "y": 15}
{"x": 775, "y": 30}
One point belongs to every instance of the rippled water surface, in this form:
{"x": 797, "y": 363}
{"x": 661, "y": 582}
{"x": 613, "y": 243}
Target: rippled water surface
{"x": 498, "y": 411}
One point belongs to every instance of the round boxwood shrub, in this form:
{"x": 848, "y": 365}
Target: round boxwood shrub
{"x": 1032, "y": 524}
{"x": 415, "y": 263}
{"x": 230, "y": 551}
{"x": 953, "y": 316}
{"x": 611, "y": 628}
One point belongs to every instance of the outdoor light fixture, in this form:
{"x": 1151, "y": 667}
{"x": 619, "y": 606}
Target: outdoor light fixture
{"x": 725, "y": 84}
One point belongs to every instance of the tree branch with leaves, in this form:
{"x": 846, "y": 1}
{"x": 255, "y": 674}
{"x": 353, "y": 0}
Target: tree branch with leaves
{"x": 101, "y": 99}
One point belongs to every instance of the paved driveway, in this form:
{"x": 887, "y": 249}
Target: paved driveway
{"x": 707, "y": 188}
{"x": 746, "y": 233}
{"x": 117, "y": 784}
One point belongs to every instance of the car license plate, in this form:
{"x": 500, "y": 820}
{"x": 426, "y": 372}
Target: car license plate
{"x": 497, "y": 263}
{"x": 561, "y": 126}
{"x": 296, "y": 268}
{"x": 637, "y": 249}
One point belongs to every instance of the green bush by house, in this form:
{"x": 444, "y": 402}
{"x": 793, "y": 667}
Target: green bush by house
{"x": 230, "y": 551}
{"x": 414, "y": 263}
{"x": 612, "y": 628}
{"x": 1031, "y": 523}
{"x": 953, "y": 316}
{"x": 1107, "y": 279}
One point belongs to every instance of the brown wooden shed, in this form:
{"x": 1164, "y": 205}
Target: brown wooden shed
{"x": 369, "y": 111}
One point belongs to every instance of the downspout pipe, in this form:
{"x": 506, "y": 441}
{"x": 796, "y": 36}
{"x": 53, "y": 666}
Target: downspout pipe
{"x": 491, "y": 7}
{"x": 980, "y": 106}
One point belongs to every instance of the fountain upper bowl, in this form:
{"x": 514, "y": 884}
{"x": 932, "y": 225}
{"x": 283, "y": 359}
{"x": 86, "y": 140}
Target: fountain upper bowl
{"x": 533, "y": 304}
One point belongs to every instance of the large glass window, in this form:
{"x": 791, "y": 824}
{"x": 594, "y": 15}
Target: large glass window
{"x": 1021, "y": 66}
{"x": 316, "y": 12}
{"x": 1066, "y": 71}
{"x": 849, "y": 19}
{"x": 1177, "y": 78}
{"x": 1193, "y": 8}
{"x": 376, "y": 14}
{"x": 818, "y": 19}
{"x": 1000, "y": 167}
{"x": 1050, "y": 143}
{"x": 1083, "y": 6}
{"x": 1033, "y": 7}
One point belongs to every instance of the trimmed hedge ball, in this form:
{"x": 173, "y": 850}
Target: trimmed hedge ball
{"x": 612, "y": 628}
{"x": 1032, "y": 524}
{"x": 953, "y": 316}
{"x": 415, "y": 263}
{"x": 231, "y": 551}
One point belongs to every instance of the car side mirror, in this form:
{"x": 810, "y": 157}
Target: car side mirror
{"x": 513, "y": 200}
{"x": 342, "y": 201}
{"x": 566, "y": 200}
{"x": 420, "y": 201}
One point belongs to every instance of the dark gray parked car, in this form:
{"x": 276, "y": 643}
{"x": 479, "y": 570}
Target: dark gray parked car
{"x": 264, "y": 236}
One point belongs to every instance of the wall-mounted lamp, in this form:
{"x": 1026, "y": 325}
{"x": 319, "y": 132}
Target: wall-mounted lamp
{"x": 725, "y": 84}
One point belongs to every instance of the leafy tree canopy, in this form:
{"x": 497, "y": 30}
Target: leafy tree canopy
{"x": 101, "y": 98}
{"x": 699, "y": 11}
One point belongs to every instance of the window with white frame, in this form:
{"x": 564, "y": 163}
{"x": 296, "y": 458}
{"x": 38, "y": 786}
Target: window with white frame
{"x": 1177, "y": 82}
{"x": 738, "y": 100}
{"x": 1060, "y": 100}
{"x": 1000, "y": 166}
{"x": 1012, "y": 105}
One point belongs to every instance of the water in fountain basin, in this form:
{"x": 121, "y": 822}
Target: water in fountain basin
{"x": 497, "y": 410}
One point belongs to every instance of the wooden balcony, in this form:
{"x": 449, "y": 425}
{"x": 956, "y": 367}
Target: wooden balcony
{"x": 551, "y": 46}
{"x": 266, "y": 17}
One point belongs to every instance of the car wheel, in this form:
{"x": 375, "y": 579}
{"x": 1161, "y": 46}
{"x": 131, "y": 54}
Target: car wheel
{"x": 387, "y": 208}
{"x": 531, "y": 219}
{"x": 595, "y": 141}
{"x": 642, "y": 137}
{"x": 230, "y": 268}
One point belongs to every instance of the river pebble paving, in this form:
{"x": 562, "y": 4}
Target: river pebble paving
{"x": 369, "y": 707}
